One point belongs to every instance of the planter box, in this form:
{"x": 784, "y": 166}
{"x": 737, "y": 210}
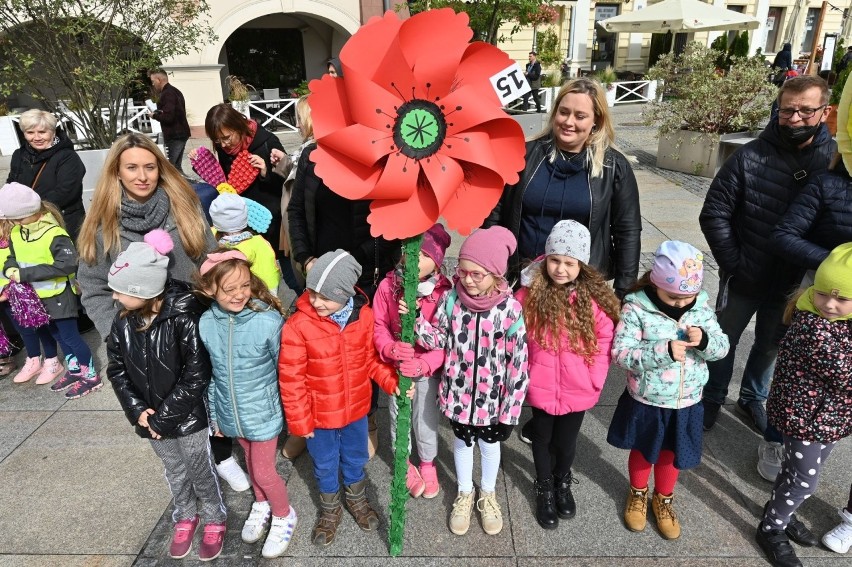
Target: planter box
{"x": 689, "y": 152}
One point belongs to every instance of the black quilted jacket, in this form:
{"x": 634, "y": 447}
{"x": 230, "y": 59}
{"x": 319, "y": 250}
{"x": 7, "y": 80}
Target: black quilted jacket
{"x": 818, "y": 220}
{"x": 747, "y": 199}
{"x": 165, "y": 368}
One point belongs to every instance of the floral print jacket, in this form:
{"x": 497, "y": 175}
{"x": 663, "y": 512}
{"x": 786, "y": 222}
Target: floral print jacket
{"x": 484, "y": 379}
{"x": 642, "y": 347}
{"x": 811, "y": 394}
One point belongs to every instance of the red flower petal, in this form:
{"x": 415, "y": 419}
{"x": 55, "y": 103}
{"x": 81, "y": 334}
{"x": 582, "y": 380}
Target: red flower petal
{"x": 434, "y": 57}
{"x": 445, "y": 175}
{"x": 402, "y": 219}
{"x": 361, "y": 143}
{"x": 328, "y": 111}
{"x": 398, "y": 177}
{"x": 481, "y": 62}
{"x": 344, "y": 175}
{"x": 494, "y": 145}
{"x": 474, "y": 200}
{"x": 473, "y": 112}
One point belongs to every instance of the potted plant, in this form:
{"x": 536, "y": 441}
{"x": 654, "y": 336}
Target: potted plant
{"x": 834, "y": 99}
{"x": 702, "y": 103}
{"x": 608, "y": 78}
{"x": 238, "y": 94}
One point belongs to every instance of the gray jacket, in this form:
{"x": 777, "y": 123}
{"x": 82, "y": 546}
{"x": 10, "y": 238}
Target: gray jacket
{"x": 96, "y": 294}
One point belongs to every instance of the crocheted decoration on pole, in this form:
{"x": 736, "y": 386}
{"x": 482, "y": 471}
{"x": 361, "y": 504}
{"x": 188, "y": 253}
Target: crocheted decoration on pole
{"x": 242, "y": 174}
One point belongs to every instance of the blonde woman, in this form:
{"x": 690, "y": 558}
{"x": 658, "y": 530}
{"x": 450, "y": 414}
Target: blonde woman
{"x": 574, "y": 172}
{"x": 138, "y": 191}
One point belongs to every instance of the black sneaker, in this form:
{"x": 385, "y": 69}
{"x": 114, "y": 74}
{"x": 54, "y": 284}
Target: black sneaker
{"x": 777, "y": 548}
{"x": 525, "y": 432}
{"x": 711, "y": 413}
{"x": 797, "y": 531}
{"x": 754, "y": 411}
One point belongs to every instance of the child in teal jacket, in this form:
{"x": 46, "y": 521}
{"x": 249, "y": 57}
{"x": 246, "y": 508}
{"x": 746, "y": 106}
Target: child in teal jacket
{"x": 667, "y": 333}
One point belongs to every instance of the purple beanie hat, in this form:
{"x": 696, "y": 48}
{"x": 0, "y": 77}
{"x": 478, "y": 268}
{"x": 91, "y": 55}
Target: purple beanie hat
{"x": 678, "y": 268}
{"x": 435, "y": 242}
{"x": 490, "y": 248}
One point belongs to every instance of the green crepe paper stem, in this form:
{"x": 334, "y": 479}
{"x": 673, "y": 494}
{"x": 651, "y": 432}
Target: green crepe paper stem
{"x": 399, "y": 491}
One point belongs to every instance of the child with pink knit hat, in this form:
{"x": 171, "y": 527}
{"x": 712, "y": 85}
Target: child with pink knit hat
{"x": 484, "y": 377}
{"x": 422, "y": 365}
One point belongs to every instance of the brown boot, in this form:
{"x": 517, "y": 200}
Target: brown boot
{"x": 372, "y": 435}
{"x": 326, "y": 527}
{"x": 359, "y": 507}
{"x": 636, "y": 510}
{"x": 293, "y": 447}
{"x": 666, "y": 519}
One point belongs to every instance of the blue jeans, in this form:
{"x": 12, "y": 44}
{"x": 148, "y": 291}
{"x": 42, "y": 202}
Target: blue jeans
{"x": 339, "y": 450}
{"x": 174, "y": 152}
{"x": 734, "y": 311}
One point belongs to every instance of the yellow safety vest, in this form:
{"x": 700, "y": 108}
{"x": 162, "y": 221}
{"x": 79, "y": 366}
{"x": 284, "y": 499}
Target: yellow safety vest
{"x": 34, "y": 251}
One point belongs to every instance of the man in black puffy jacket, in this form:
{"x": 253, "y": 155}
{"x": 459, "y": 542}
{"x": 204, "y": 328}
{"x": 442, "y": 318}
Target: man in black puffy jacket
{"x": 747, "y": 199}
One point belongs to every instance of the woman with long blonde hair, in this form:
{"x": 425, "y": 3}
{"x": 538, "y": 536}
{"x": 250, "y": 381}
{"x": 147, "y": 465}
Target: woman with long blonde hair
{"x": 573, "y": 171}
{"x": 139, "y": 191}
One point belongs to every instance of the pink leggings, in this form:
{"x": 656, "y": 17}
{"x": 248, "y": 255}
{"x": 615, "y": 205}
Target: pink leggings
{"x": 267, "y": 484}
{"x": 665, "y": 473}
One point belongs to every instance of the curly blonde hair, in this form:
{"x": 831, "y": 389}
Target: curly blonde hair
{"x": 549, "y": 310}
{"x": 212, "y": 280}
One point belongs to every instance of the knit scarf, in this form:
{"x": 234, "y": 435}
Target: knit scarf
{"x": 482, "y": 303}
{"x": 144, "y": 217}
{"x": 424, "y": 287}
{"x": 245, "y": 142}
{"x": 234, "y": 239}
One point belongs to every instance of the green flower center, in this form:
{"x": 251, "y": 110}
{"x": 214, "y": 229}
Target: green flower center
{"x": 419, "y": 128}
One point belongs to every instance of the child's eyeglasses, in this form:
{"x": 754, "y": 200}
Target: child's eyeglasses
{"x": 476, "y": 277}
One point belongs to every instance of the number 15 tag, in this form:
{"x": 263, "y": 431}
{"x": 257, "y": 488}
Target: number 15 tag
{"x": 510, "y": 83}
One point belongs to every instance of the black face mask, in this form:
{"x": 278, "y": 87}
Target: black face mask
{"x": 796, "y": 136}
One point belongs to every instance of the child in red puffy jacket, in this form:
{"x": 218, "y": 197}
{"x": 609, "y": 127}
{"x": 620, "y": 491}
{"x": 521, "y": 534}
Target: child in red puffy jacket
{"x": 326, "y": 361}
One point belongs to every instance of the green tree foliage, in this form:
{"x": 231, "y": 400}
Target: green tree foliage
{"x": 487, "y": 16}
{"x": 548, "y": 47}
{"x": 720, "y": 44}
{"x": 701, "y": 98}
{"x": 93, "y": 53}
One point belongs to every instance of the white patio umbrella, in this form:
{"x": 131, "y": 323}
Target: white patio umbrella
{"x": 679, "y": 16}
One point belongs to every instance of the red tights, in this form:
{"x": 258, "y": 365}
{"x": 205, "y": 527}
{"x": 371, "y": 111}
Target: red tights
{"x": 665, "y": 473}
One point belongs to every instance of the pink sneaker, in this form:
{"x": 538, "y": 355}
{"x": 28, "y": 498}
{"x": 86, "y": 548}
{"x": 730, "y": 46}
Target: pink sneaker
{"x": 50, "y": 369}
{"x": 31, "y": 368}
{"x": 429, "y": 474}
{"x": 182, "y": 538}
{"x": 413, "y": 482}
{"x": 212, "y": 542}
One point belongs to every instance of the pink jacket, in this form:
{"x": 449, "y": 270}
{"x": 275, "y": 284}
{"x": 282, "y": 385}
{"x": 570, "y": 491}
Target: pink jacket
{"x": 561, "y": 382}
{"x": 387, "y": 328}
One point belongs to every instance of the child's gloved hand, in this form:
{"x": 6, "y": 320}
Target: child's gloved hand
{"x": 415, "y": 368}
{"x": 14, "y": 274}
{"x": 408, "y": 394}
{"x": 398, "y": 351}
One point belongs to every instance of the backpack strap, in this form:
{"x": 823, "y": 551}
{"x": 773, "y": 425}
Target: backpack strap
{"x": 451, "y": 302}
{"x": 515, "y": 326}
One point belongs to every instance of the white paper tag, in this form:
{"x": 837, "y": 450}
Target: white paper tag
{"x": 510, "y": 83}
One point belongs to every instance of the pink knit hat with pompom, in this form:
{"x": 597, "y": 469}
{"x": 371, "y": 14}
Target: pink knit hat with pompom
{"x": 142, "y": 269}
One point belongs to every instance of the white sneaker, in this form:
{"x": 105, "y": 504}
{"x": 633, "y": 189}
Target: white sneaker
{"x": 230, "y": 471}
{"x": 769, "y": 457}
{"x": 839, "y": 539}
{"x": 257, "y": 521}
{"x": 280, "y": 533}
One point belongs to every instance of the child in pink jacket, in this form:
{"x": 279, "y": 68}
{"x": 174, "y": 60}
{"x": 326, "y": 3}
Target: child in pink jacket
{"x": 418, "y": 363}
{"x": 570, "y": 314}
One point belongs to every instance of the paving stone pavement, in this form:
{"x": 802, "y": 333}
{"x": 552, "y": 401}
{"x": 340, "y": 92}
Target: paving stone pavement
{"x": 80, "y": 489}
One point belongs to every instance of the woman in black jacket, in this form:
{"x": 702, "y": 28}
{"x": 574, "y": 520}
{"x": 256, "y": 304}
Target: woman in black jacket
{"x": 48, "y": 164}
{"x": 573, "y": 172}
{"x": 231, "y": 132}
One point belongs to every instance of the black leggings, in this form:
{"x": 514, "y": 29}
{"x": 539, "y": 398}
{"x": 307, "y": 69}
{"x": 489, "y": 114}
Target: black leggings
{"x": 221, "y": 447}
{"x": 554, "y": 442}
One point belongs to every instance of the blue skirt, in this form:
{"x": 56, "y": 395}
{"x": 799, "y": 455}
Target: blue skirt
{"x": 651, "y": 429}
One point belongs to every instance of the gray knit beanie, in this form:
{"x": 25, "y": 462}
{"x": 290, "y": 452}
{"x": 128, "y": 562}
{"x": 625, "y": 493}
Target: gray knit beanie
{"x": 569, "y": 238}
{"x": 334, "y": 275}
{"x": 229, "y": 213}
{"x": 141, "y": 270}
{"x": 17, "y": 201}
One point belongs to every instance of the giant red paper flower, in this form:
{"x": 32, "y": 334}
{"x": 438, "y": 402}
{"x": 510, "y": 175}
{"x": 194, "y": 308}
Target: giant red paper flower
{"x": 415, "y": 125}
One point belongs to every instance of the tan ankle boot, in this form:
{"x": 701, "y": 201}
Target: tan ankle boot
{"x": 667, "y": 521}
{"x": 636, "y": 510}
{"x": 326, "y": 527}
{"x": 460, "y": 516}
{"x": 489, "y": 512}
{"x": 359, "y": 506}
{"x": 372, "y": 435}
